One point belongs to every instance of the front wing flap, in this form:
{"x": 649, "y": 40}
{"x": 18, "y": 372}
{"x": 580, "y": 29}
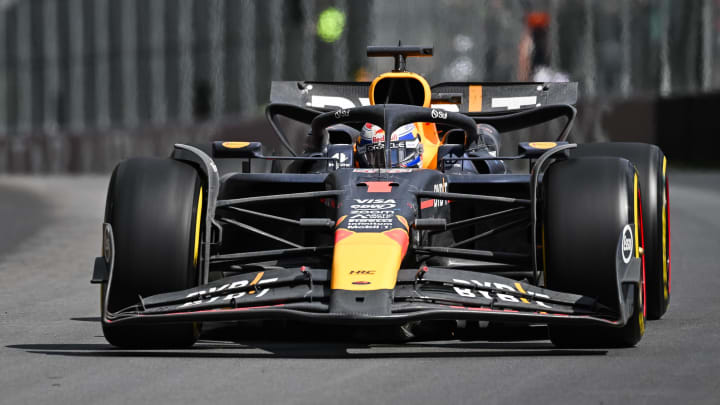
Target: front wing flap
{"x": 429, "y": 293}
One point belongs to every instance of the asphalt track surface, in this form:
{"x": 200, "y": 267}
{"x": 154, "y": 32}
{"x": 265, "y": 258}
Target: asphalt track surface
{"x": 52, "y": 349}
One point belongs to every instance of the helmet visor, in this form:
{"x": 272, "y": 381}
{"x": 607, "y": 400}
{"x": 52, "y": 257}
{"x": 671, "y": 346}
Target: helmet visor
{"x": 402, "y": 154}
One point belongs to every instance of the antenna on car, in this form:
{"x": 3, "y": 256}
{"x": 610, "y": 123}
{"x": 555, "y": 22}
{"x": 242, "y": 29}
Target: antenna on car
{"x": 400, "y": 53}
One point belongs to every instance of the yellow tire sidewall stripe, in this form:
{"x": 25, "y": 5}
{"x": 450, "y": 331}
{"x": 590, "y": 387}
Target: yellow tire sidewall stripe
{"x": 198, "y": 218}
{"x": 666, "y": 292}
{"x": 635, "y": 199}
{"x": 636, "y": 206}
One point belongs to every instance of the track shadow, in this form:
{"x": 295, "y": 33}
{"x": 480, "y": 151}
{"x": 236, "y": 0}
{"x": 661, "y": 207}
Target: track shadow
{"x": 86, "y": 319}
{"x": 265, "y": 350}
{"x": 288, "y": 340}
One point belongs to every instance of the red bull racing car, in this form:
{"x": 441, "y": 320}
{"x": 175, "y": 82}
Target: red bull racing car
{"x": 398, "y": 208}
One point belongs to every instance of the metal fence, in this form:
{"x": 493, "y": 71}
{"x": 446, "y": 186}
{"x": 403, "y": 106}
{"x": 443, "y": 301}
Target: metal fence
{"x": 99, "y": 64}
{"x": 614, "y": 48}
{"x": 88, "y": 66}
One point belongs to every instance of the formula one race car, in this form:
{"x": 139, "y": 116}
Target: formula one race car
{"x": 399, "y": 210}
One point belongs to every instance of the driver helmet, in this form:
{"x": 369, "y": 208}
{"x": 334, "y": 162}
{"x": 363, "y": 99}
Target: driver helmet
{"x": 405, "y": 147}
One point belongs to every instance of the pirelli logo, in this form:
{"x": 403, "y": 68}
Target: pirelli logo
{"x": 361, "y": 272}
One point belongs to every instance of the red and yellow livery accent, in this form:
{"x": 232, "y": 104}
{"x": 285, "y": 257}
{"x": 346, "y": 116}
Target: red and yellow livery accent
{"x": 368, "y": 260}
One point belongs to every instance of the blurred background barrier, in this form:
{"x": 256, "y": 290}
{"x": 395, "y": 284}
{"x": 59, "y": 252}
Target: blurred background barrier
{"x": 84, "y": 83}
{"x": 689, "y": 127}
{"x": 99, "y": 151}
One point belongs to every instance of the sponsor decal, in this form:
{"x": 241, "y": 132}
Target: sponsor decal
{"x": 435, "y": 114}
{"x": 229, "y": 287}
{"x": 372, "y": 213}
{"x": 344, "y": 102}
{"x": 334, "y": 101}
{"x": 362, "y": 272}
{"x": 513, "y": 103}
{"x": 363, "y": 221}
{"x": 342, "y": 113}
{"x": 440, "y": 188}
{"x": 373, "y": 204}
{"x": 435, "y": 203}
{"x": 341, "y": 157}
{"x": 343, "y": 160}
{"x": 361, "y": 282}
{"x": 627, "y": 244}
{"x": 477, "y": 289}
{"x": 542, "y": 145}
{"x": 446, "y": 107}
{"x": 108, "y": 244}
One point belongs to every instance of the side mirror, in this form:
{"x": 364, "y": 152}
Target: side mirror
{"x": 534, "y": 150}
{"x": 223, "y": 149}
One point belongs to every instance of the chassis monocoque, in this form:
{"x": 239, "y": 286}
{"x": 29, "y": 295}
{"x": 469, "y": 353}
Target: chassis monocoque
{"x": 580, "y": 242}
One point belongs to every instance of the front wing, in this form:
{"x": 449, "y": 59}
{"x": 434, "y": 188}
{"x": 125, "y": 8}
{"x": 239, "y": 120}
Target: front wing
{"x": 431, "y": 293}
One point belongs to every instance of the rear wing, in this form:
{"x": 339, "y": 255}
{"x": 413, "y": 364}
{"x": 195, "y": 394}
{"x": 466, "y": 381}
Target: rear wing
{"x": 456, "y": 97}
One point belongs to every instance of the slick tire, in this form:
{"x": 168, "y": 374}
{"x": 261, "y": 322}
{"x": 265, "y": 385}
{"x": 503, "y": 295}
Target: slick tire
{"x": 154, "y": 207}
{"x": 651, "y": 165}
{"x": 587, "y": 204}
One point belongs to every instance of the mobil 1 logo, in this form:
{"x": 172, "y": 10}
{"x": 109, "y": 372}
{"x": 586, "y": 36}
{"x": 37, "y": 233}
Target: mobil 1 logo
{"x": 627, "y": 243}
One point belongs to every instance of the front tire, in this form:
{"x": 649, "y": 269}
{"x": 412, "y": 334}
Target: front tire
{"x": 154, "y": 207}
{"x": 588, "y": 203}
{"x": 651, "y": 165}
